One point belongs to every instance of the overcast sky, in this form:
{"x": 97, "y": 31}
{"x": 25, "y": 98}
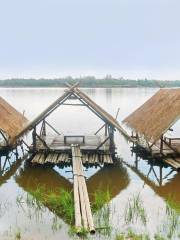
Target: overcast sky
{"x": 51, "y": 38}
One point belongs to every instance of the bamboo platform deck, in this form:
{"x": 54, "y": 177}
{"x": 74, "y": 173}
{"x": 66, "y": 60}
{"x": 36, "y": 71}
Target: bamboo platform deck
{"x": 167, "y": 149}
{"x": 58, "y": 142}
{"x": 65, "y": 158}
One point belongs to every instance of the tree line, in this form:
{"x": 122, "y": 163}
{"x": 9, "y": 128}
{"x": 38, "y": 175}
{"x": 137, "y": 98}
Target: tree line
{"x": 91, "y": 82}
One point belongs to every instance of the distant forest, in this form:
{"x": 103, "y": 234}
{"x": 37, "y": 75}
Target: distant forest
{"x": 91, "y": 82}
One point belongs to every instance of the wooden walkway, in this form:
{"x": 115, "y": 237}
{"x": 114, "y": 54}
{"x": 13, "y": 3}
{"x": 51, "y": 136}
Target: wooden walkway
{"x": 83, "y": 214}
{"x": 65, "y": 158}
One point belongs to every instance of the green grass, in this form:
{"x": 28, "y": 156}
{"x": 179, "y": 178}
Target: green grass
{"x": 100, "y": 199}
{"x": 173, "y": 221}
{"x": 131, "y": 236}
{"x": 59, "y": 201}
{"x": 18, "y": 235}
{"x": 134, "y": 210}
{"x": 101, "y": 210}
{"x": 172, "y": 202}
{"x": 158, "y": 237}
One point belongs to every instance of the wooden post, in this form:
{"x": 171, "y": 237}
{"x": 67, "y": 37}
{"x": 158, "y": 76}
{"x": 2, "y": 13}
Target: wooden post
{"x": 43, "y": 128}
{"x": 34, "y": 139}
{"x": 106, "y": 129}
{"x": 161, "y": 145}
{"x": 160, "y": 175}
{"x": 111, "y": 137}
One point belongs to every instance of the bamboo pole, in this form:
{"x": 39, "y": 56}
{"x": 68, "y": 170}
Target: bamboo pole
{"x": 78, "y": 224}
{"x": 86, "y": 198}
{"x": 81, "y": 192}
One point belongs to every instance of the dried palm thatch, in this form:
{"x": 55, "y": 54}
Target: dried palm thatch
{"x": 11, "y": 121}
{"x": 157, "y": 115}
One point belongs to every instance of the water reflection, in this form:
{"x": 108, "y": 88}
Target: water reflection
{"x": 114, "y": 178}
{"x": 163, "y": 180}
{"x": 9, "y": 164}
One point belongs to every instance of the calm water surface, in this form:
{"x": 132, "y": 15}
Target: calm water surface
{"x": 153, "y": 185}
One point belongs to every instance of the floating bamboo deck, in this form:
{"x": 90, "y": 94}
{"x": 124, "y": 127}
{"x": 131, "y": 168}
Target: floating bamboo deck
{"x": 65, "y": 158}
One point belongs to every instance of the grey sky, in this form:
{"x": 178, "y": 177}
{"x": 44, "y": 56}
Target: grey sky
{"x": 129, "y": 38}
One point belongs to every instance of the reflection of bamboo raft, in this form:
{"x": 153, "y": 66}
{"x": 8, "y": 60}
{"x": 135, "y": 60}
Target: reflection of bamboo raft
{"x": 114, "y": 178}
{"x": 83, "y": 214}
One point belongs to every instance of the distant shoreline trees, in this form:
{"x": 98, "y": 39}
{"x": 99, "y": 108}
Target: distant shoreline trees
{"x": 89, "y": 82}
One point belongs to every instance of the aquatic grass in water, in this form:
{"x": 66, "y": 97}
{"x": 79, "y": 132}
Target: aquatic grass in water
{"x": 173, "y": 222}
{"x": 131, "y": 236}
{"x": 100, "y": 198}
{"x": 135, "y": 210}
{"x": 60, "y": 202}
{"x": 101, "y": 209}
{"x": 170, "y": 226}
{"x": 56, "y": 225}
{"x": 18, "y": 235}
{"x": 172, "y": 202}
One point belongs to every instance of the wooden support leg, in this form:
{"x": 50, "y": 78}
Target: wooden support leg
{"x": 111, "y": 137}
{"x": 106, "y": 129}
{"x": 34, "y": 139}
{"x": 161, "y": 145}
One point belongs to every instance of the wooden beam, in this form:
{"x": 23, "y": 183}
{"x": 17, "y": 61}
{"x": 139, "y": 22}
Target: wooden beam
{"x": 100, "y": 129}
{"x": 34, "y": 139}
{"x": 44, "y": 143}
{"x": 102, "y": 143}
{"x": 74, "y": 104}
{"x": 3, "y": 135}
{"x": 47, "y": 111}
{"x": 52, "y": 128}
{"x": 176, "y": 151}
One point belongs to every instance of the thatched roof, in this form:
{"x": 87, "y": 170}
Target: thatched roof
{"x": 156, "y": 115}
{"x": 11, "y": 121}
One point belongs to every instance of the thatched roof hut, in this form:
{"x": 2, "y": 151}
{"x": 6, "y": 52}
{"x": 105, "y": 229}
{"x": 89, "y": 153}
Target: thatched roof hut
{"x": 156, "y": 115}
{"x": 11, "y": 121}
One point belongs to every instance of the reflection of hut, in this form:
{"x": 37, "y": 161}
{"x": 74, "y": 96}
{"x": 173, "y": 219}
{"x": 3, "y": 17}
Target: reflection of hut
{"x": 168, "y": 191}
{"x": 11, "y": 123}
{"x": 29, "y": 178}
{"x": 114, "y": 178}
{"x": 153, "y": 120}
{"x": 8, "y": 167}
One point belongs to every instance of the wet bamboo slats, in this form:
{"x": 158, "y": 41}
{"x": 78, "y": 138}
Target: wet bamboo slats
{"x": 54, "y": 158}
{"x": 57, "y": 158}
{"x": 83, "y": 214}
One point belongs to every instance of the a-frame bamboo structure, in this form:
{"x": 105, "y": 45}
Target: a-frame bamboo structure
{"x": 110, "y": 124}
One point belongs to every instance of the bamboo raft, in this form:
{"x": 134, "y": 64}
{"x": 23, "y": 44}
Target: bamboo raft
{"x": 66, "y": 158}
{"x": 83, "y": 214}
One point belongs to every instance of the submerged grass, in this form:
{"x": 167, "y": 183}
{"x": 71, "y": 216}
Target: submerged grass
{"x": 60, "y": 201}
{"x": 100, "y": 198}
{"x": 101, "y": 210}
{"x": 173, "y": 222}
{"x": 134, "y": 210}
{"x": 172, "y": 203}
{"x": 130, "y": 235}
